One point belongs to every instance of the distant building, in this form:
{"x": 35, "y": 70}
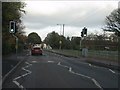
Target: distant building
{"x": 45, "y": 46}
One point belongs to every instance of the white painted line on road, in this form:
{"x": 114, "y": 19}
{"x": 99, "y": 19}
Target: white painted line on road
{"x": 82, "y": 75}
{"x": 28, "y": 72}
{"x": 17, "y": 78}
{"x": 28, "y": 63}
{"x": 62, "y": 65}
{"x": 112, "y": 71}
{"x": 96, "y": 83}
{"x": 58, "y": 63}
{"x": 70, "y": 69}
{"x": 34, "y": 61}
{"x": 103, "y": 68}
{"x": 20, "y": 86}
{"x": 92, "y": 79}
{"x": 25, "y": 74}
{"x": 90, "y": 65}
{"x": 94, "y": 66}
{"x": 50, "y": 61}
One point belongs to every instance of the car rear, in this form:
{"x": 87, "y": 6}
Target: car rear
{"x": 36, "y": 51}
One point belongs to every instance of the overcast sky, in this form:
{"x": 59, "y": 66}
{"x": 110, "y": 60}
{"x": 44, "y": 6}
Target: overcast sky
{"x": 42, "y": 17}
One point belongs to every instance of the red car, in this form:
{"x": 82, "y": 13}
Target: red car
{"x": 36, "y": 51}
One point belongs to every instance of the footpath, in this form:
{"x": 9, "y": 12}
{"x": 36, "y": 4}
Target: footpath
{"x": 10, "y": 63}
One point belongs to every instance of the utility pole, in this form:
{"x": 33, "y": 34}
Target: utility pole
{"x": 63, "y": 25}
{"x": 63, "y": 29}
{"x": 81, "y": 43}
{"x": 60, "y": 42}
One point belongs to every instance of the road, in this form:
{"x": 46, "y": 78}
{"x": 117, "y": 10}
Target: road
{"x": 55, "y": 71}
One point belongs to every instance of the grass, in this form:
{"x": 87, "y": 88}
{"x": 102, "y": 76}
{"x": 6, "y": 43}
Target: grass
{"x": 109, "y": 55}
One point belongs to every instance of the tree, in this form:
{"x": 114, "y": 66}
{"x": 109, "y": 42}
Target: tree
{"x": 68, "y": 44}
{"x": 75, "y": 41}
{"x": 53, "y": 40}
{"x": 34, "y": 38}
{"x": 11, "y": 11}
{"x": 113, "y": 22}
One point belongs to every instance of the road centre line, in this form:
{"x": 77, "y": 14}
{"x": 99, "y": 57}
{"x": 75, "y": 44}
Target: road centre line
{"x": 93, "y": 80}
{"x": 28, "y": 72}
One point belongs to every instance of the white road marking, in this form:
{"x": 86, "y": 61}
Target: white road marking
{"x": 50, "y": 61}
{"x": 103, "y": 68}
{"x": 34, "y": 61}
{"x": 18, "y": 84}
{"x": 112, "y": 71}
{"x": 92, "y": 79}
{"x": 28, "y": 63}
{"x": 58, "y": 63}
{"x": 70, "y": 69}
{"x": 17, "y": 78}
{"x": 28, "y": 72}
{"x": 96, "y": 83}
{"x": 64, "y": 66}
{"x": 90, "y": 65}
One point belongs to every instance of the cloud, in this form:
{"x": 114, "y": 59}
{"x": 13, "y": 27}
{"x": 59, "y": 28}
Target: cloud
{"x": 74, "y": 14}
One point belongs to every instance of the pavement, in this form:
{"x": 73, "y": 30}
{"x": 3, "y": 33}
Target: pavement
{"x": 10, "y": 63}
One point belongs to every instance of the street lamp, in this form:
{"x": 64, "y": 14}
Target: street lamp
{"x": 63, "y": 28}
{"x": 60, "y": 42}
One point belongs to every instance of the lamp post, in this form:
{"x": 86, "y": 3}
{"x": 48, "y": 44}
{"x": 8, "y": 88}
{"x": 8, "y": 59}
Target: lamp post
{"x": 60, "y": 42}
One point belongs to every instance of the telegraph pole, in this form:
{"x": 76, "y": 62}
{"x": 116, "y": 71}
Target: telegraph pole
{"x": 63, "y": 29}
{"x": 60, "y": 42}
{"x": 63, "y": 25}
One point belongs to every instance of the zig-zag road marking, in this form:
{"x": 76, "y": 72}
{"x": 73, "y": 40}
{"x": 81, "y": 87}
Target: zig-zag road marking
{"x": 103, "y": 68}
{"x": 28, "y": 72}
{"x": 70, "y": 70}
{"x": 111, "y": 70}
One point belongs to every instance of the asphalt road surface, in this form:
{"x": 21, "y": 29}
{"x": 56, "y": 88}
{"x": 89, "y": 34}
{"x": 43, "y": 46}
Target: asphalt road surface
{"x": 55, "y": 71}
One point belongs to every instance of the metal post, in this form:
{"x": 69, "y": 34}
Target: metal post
{"x": 81, "y": 43}
{"x": 63, "y": 29}
{"x": 16, "y": 47}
